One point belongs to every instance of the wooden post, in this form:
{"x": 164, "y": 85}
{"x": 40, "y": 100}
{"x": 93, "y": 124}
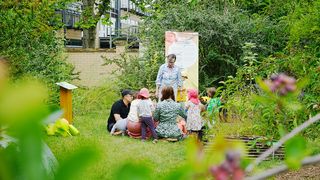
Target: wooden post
{"x": 66, "y": 99}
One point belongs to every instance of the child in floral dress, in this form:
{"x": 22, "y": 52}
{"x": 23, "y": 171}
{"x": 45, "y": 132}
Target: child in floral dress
{"x": 193, "y": 107}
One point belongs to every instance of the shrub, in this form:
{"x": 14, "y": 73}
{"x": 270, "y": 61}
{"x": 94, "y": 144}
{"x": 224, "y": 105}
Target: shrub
{"x": 94, "y": 100}
{"x": 32, "y": 45}
{"x": 134, "y": 72}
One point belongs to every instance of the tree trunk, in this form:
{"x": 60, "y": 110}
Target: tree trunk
{"x": 89, "y": 38}
{"x": 89, "y": 34}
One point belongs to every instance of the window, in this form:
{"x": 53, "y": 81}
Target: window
{"x": 124, "y": 4}
{"x": 70, "y": 18}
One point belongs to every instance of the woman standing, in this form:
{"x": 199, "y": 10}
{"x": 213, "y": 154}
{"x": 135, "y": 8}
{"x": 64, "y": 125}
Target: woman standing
{"x": 166, "y": 113}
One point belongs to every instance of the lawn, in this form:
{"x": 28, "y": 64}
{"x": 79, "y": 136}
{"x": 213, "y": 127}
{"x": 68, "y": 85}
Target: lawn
{"x": 115, "y": 151}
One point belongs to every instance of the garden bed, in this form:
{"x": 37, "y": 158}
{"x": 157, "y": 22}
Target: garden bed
{"x": 255, "y": 147}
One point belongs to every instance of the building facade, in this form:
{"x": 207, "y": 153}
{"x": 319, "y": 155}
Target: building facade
{"x": 124, "y": 17}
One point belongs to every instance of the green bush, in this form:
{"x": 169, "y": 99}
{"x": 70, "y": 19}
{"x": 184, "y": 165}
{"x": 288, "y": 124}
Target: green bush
{"x": 95, "y": 100}
{"x": 32, "y": 45}
{"x": 134, "y": 72}
{"x": 299, "y": 59}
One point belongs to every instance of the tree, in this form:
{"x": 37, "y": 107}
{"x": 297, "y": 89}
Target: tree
{"x": 96, "y": 10}
{"x": 29, "y": 40}
{"x": 92, "y": 12}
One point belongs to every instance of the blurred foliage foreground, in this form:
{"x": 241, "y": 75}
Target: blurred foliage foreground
{"x": 23, "y": 153}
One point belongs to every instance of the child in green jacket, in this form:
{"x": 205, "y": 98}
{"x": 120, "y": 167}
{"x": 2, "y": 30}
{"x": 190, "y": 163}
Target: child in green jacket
{"x": 213, "y": 104}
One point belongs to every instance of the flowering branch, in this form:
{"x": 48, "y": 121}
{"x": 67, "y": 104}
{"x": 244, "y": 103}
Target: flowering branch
{"x": 282, "y": 141}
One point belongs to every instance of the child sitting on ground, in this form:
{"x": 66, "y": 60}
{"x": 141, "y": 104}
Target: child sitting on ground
{"x": 145, "y": 109}
{"x": 193, "y": 107}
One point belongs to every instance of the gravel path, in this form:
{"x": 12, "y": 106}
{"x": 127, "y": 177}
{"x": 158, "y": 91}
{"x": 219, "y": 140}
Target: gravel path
{"x": 307, "y": 172}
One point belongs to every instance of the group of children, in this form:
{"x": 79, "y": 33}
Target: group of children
{"x": 144, "y": 108}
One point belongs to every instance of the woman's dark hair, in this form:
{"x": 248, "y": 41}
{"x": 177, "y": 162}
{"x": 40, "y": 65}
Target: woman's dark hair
{"x": 135, "y": 94}
{"x": 171, "y": 57}
{"x": 167, "y": 93}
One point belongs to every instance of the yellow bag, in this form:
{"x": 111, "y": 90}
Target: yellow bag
{"x": 182, "y": 95}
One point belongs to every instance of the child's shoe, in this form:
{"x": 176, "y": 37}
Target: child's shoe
{"x": 172, "y": 139}
{"x": 117, "y": 133}
{"x": 155, "y": 141}
{"x": 184, "y": 136}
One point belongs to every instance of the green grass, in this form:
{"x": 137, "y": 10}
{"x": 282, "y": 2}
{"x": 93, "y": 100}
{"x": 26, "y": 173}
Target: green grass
{"x": 113, "y": 151}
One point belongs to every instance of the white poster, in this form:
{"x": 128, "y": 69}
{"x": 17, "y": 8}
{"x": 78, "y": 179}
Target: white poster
{"x": 185, "y": 46}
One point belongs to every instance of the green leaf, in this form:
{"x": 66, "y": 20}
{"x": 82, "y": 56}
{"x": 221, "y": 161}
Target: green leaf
{"x": 295, "y": 151}
{"x": 281, "y": 130}
{"x": 269, "y": 143}
{"x": 244, "y": 163}
{"x": 132, "y": 171}
{"x": 76, "y": 163}
{"x": 62, "y": 124}
{"x": 262, "y": 85}
{"x": 74, "y": 131}
{"x": 185, "y": 172}
{"x": 50, "y": 129}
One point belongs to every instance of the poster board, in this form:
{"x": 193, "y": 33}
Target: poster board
{"x": 185, "y": 46}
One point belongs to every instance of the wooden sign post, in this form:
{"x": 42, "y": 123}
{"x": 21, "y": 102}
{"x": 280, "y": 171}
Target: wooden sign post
{"x": 66, "y": 99}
